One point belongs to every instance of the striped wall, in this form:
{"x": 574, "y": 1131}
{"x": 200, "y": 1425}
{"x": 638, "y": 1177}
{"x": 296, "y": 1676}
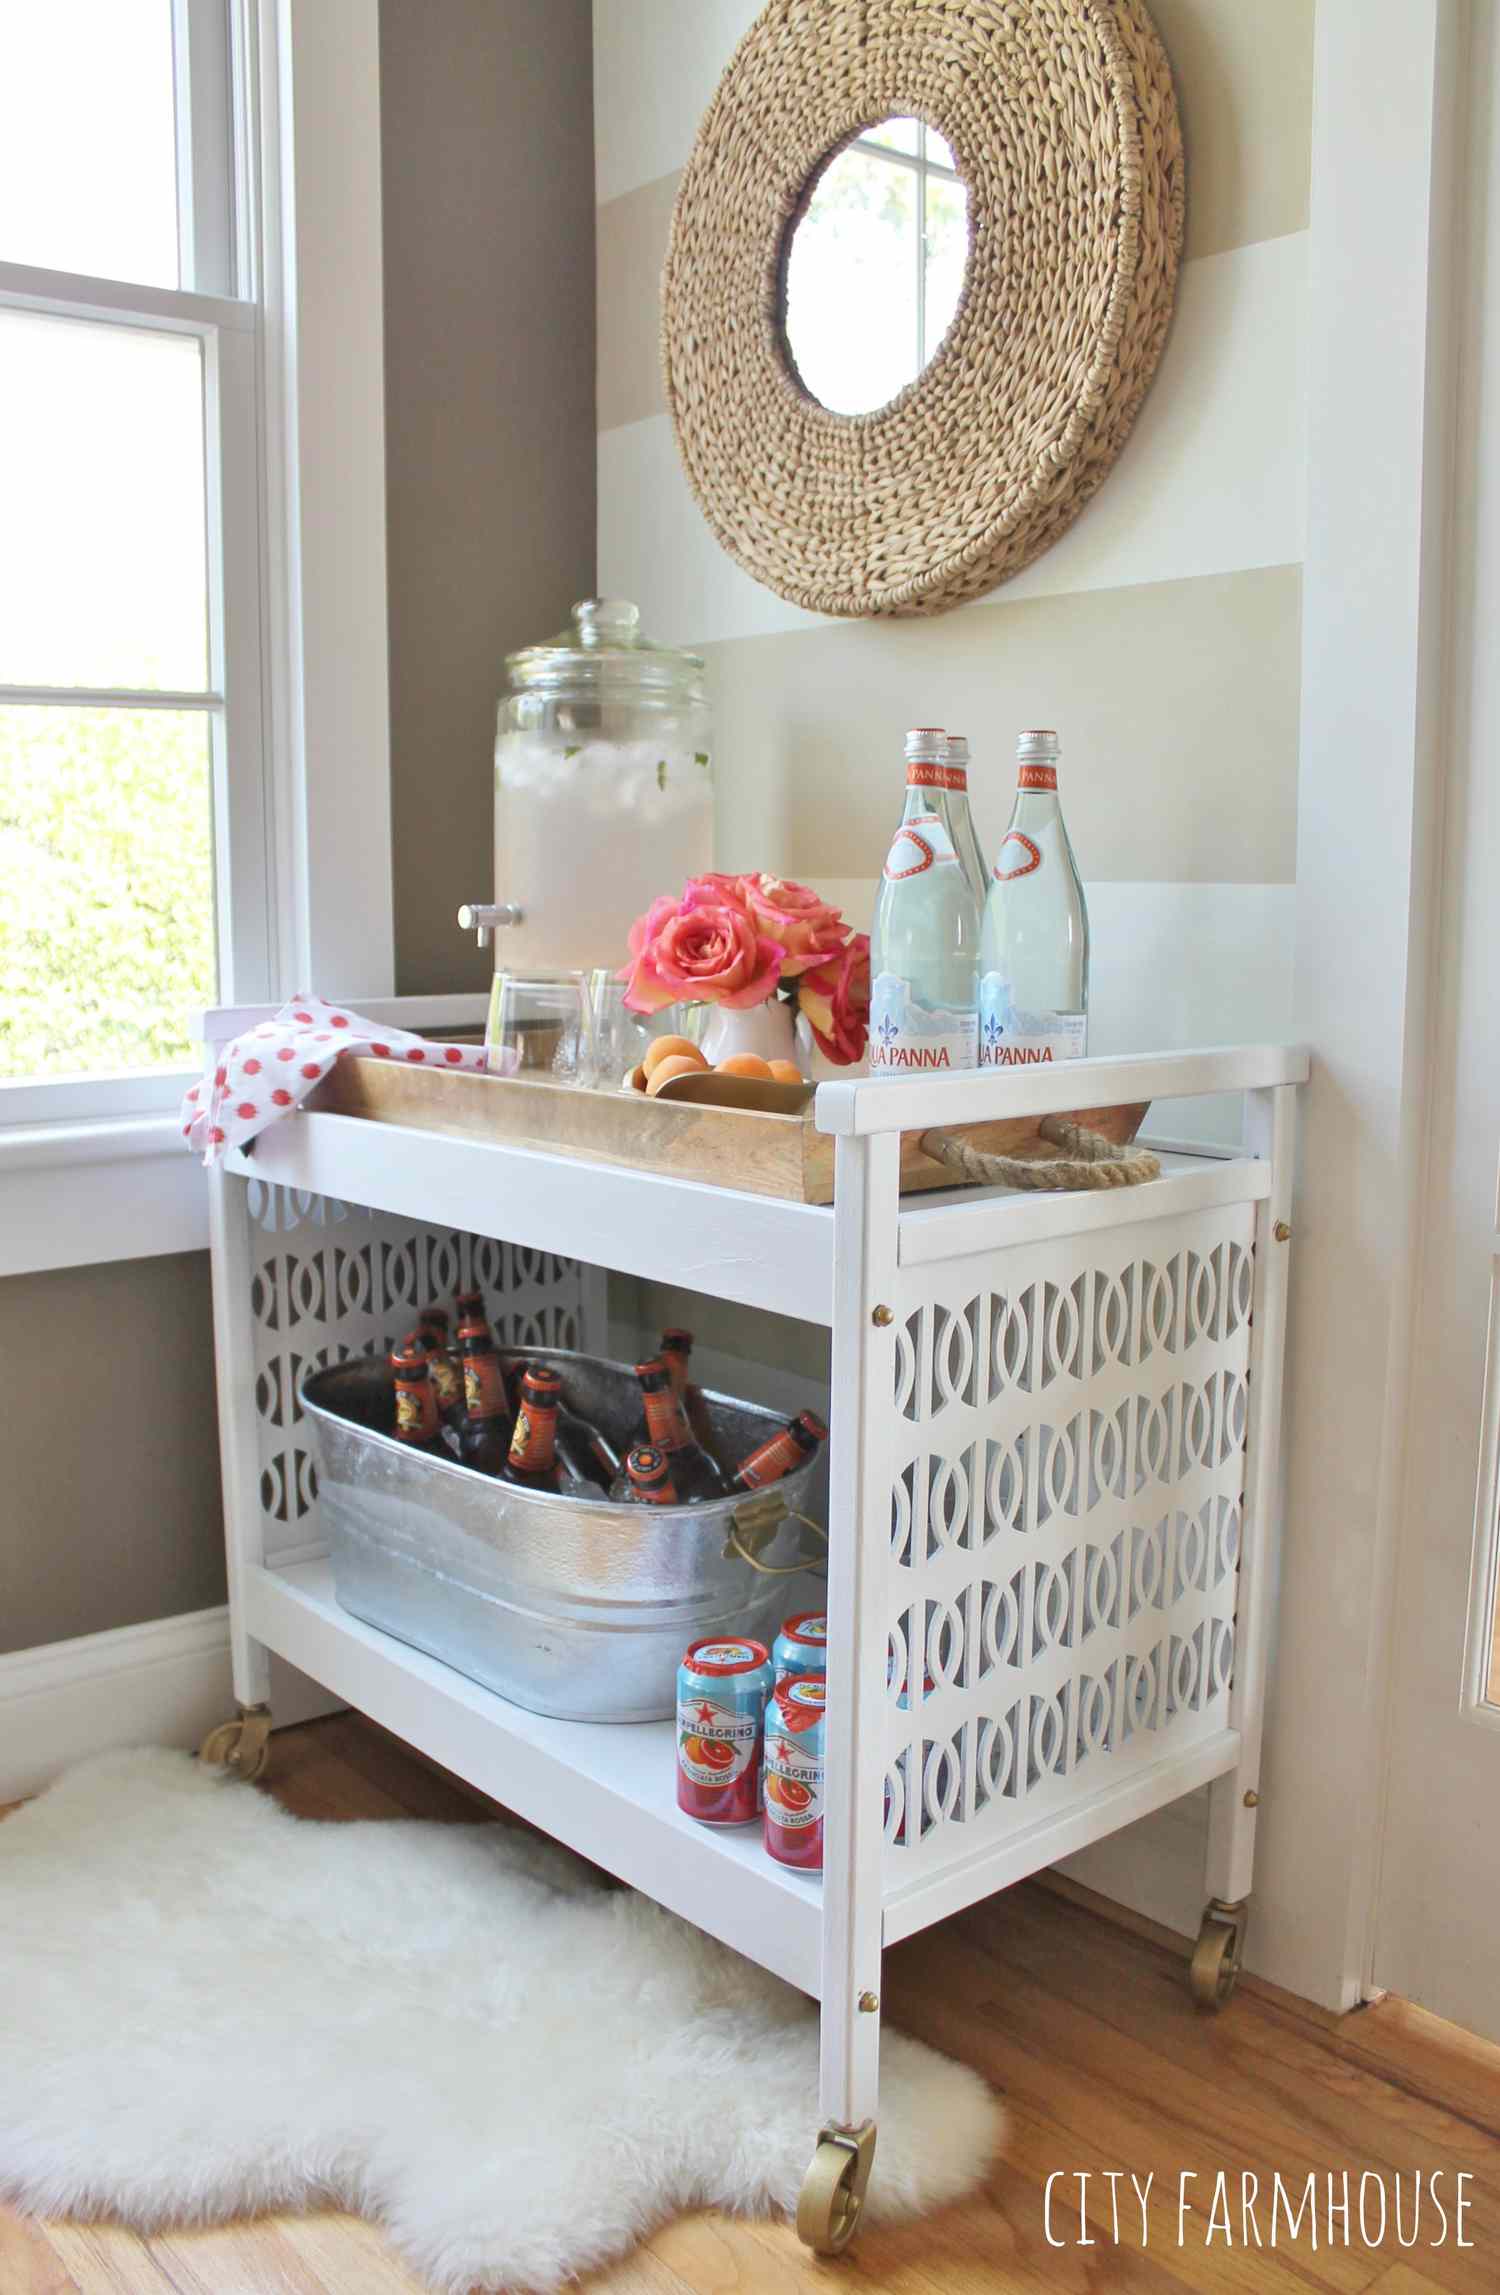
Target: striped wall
{"x": 1161, "y": 635}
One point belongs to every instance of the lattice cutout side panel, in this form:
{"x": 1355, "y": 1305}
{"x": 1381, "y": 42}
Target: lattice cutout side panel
{"x": 1066, "y": 1521}
{"x": 330, "y": 1280}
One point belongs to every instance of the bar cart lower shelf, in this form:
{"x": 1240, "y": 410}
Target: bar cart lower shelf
{"x": 1055, "y": 1423}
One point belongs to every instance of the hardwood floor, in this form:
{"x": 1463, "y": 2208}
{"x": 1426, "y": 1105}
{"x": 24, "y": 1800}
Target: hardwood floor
{"x": 1084, "y": 2027}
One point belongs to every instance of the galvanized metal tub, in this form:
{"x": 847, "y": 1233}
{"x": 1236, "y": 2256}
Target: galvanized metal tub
{"x": 570, "y": 1607}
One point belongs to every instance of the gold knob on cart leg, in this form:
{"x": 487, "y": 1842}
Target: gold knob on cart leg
{"x": 868, "y": 2003}
{"x": 882, "y": 1318}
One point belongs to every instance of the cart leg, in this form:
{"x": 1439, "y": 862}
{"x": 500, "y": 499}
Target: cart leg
{"x": 243, "y": 1744}
{"x": 861, "y": 1470}
{"x": 1235, "y": 1799}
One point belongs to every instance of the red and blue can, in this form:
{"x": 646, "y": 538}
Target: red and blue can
{"x": 722, "y": 1686}
{"x": 795, "y": 1799}
{"x": 800, "y": 1647}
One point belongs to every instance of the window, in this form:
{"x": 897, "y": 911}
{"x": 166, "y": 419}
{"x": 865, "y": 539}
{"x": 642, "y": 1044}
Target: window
{"x": 876, "y": 266}
{"x": 133, "y": 875}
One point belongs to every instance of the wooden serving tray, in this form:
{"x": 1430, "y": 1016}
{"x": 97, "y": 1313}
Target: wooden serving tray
{"x": 725, "y": 1147}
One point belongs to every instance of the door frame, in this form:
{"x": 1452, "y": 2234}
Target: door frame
{"x": 1380, "y": 395}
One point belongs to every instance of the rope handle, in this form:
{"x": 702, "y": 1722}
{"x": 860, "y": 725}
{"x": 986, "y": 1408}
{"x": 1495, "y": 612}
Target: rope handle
{"x": 736, "y": 1545}
{"x": 1088, "y": 1159}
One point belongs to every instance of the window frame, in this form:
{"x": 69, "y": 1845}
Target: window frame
{"x": 924, "y": 167}
{"x": 281, "y": 200}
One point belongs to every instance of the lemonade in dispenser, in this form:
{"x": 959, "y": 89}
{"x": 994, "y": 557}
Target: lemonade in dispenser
{"x": 603, "y": 790}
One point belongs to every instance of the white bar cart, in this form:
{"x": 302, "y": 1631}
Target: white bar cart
{"x": 1053, "y": 1499}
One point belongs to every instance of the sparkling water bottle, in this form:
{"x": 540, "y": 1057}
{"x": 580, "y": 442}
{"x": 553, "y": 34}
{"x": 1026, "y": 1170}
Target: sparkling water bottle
{"x": 959, "y": 819}
{"x": 1034, "y": 958}
{"x": 924, "y": 949}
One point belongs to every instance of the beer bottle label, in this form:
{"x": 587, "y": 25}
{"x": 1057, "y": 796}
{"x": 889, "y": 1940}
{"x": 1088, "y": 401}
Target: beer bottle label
{"x": 771, "y": 1461}
{"x": 447, "y": 1380}
{"x": 533, "y": 1445}
{"x": 664, "y": 1420}
{"x": 416, "y": 1412}
{"x": 484, "y": 1387}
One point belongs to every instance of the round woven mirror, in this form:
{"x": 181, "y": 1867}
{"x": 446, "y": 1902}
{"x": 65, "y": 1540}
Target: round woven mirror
{"x": 921, "y": 270}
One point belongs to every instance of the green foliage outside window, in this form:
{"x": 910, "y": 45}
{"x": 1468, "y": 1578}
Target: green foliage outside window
{"x": 106, "y": 888}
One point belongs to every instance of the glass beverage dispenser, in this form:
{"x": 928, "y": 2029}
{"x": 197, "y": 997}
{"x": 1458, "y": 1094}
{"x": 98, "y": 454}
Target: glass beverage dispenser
{"x": 603, "y": 791}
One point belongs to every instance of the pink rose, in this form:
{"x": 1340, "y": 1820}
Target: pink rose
{"x": 808, "y": 927}
{"x": 836, "y": 999}
{"x": 716, "y": 892}
{"x": 698, "y": 951}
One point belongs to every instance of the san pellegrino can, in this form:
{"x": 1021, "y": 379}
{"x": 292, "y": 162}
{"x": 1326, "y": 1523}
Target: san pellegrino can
{"x": 924, "y": 949}
{"x": 800, "y": 1647}
{"x": 1034, "y": 955}
{"x": 795, "y": 1799}
{"x": 959, "y": 817}
{"x": 722, "y": 1687}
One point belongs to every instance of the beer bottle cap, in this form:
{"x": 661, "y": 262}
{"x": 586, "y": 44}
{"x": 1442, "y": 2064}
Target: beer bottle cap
{"x": 437, "y": 1317}
{"x": 649, "y": 1472}
{"x": 811, "y": 1424}
{"x": 542, "y": 1386}
{"x": 677, "y": 1342}
{"x": 410, "y": 1358}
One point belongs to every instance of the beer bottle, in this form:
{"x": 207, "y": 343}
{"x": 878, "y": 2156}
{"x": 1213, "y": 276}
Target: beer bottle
{"x": 694, "y": 1473}
{"x": 447, "y": 1373}
{"x": 484, "y": 1430}
{"x": 676, "y": 1351}
{"x": 416, "y": 1401}
{"x": 533, "y": 1461}
{"x": 468, "y": 1306}
{"x": 647, "y": 1479}
{"x": 790, "y": 1447}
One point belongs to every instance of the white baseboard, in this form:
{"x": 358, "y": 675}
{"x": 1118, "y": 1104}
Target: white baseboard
{"x": 164, "y": 1683}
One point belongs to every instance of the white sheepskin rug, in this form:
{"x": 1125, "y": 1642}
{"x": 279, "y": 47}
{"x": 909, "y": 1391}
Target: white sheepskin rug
{"x": 209, "y": 2008}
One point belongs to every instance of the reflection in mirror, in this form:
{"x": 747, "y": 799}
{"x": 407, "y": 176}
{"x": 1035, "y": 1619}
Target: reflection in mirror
{"x": 876, "y": 266}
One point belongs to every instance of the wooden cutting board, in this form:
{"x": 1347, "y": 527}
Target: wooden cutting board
{"x": 746, "y": 1148}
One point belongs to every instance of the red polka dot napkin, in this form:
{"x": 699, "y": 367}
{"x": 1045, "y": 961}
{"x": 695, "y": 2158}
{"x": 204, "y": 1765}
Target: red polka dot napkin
{"x": 270, "y": 1071}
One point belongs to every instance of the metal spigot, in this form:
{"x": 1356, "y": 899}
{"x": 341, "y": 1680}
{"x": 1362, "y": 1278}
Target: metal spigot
{"x": 483, "y": 918}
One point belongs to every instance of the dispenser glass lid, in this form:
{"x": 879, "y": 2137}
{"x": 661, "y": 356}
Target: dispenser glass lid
{"x": 603, "y": 646}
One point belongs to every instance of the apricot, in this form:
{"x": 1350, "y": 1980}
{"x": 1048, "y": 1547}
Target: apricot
{"x": 670, "y": 1048}
{"x": 677, "y": 1064}
{"x": 786, "y": 1072}
{"x": 745, "y": 1064}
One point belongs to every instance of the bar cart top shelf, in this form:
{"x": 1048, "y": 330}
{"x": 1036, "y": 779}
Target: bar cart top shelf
{"x": 759, "y": 1250}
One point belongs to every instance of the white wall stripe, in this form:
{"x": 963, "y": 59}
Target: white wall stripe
{"x": 656, "y": 63}
{"x": 1210, "y": 482}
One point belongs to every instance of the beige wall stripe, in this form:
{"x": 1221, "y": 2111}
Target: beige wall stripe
{"x": 1177, "y": 703}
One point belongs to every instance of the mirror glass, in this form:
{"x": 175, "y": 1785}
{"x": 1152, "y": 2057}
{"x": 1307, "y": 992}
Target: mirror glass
{"x": 876, "y": 266}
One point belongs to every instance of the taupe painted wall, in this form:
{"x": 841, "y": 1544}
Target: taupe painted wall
{"x": 109, "y": 1497}
{"x": 488, "y": 186}
{"x": 109, "y": 1501}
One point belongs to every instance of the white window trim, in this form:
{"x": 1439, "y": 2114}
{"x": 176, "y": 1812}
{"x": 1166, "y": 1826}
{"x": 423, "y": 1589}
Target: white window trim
{"x": 94, "y": 1168}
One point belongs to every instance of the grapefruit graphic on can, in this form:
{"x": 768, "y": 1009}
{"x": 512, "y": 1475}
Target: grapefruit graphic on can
{"x": 794, "y": 1772}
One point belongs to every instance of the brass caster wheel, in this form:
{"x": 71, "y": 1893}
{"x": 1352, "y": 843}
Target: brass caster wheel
{"x": 243, "y": 1745}
{"x": 1214, "y": 1970}
{"x": 833, "y": 2190}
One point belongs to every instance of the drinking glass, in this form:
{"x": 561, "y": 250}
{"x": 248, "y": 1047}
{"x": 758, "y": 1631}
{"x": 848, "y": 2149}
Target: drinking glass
{"x": 539, "y": 1027}
{"x": 619, "y": 1037}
